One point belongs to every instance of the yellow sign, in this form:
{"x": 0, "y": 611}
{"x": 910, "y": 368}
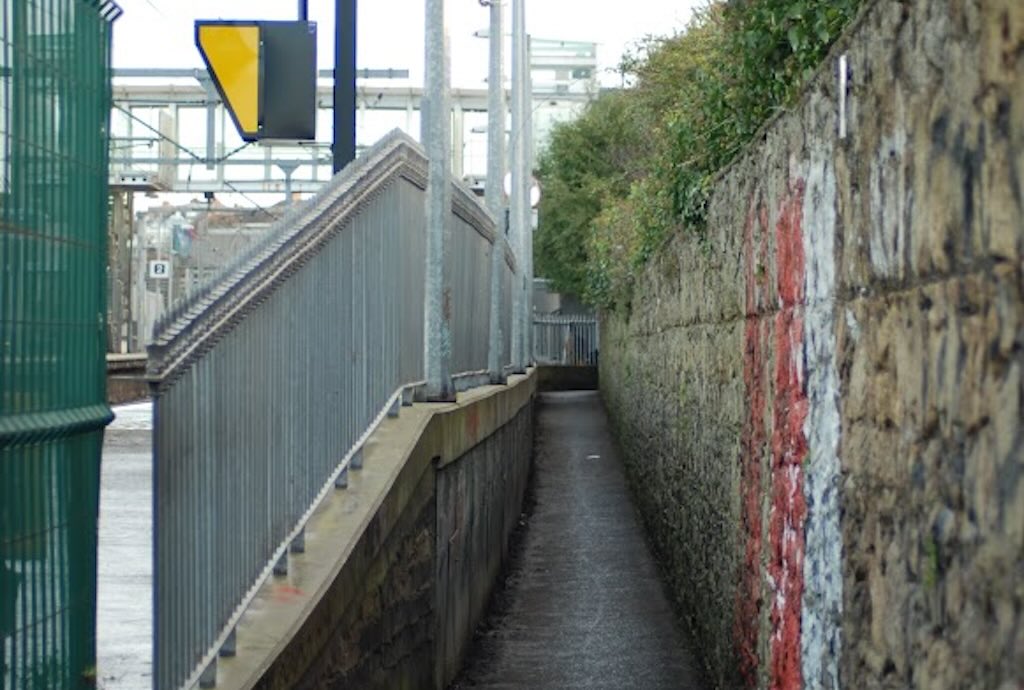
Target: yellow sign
{"x": 232, "y": 54}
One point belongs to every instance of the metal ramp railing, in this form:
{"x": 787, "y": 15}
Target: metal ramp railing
{"x": 268, "y": 381}
{"x": 565, "y": 340}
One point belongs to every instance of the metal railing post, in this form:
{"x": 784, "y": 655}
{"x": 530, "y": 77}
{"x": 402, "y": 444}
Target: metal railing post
{"x": 436, "y": 137}
{"x": 519, "y": 203}
{"x": 528, "y": 210}
{"x": 496, "y": 113}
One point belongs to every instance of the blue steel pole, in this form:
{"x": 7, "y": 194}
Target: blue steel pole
{"x": 345, "y": 84}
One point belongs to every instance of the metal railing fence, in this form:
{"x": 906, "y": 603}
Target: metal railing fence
{"x": 470, "y": 267}
{"x": 54, "y": 110}
{"x": 567, "y": 340}
{"x": 268, "y": 381}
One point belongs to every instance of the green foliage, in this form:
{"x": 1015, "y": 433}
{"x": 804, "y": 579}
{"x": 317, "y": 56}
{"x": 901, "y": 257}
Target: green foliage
{"x": 778, "y": 46}
{"x": 639, "y": 164}
{"x": 586, "y": 165}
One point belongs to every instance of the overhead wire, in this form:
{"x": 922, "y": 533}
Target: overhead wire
{"x": 200, "y": 159}
{"x": 155, "y": 8}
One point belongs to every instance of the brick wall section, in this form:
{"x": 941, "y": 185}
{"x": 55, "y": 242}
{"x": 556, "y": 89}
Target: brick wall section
{"x": 821, "y": 402}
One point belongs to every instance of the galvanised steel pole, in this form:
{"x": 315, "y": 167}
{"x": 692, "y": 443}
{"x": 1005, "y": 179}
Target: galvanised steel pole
{"x": 529, "y": 210}
{"x": 496, "y": 114}
{"x": 519, "y": 203}
{"x": 436, "y": 136}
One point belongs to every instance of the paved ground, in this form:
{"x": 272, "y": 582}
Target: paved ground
{"x": 584, "y": 607}
{"x": 124, "y": 614}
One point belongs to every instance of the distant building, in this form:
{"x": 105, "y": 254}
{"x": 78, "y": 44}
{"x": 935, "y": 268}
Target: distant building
{"x": 564, "y": 80}
{"x": 195, "y": 242}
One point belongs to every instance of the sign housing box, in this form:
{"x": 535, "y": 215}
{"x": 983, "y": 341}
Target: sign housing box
{"x": 265, "y": 73}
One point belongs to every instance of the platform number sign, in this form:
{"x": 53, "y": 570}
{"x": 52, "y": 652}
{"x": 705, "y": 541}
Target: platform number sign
{"x": 160, "y": 270}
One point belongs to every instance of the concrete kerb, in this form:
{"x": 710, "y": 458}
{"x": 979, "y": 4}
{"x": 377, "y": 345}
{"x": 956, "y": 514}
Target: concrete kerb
{"x": 284, "y": 636}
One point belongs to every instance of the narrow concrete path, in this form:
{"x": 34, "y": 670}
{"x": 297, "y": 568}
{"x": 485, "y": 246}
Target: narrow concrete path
{"x": 584, "y": 607}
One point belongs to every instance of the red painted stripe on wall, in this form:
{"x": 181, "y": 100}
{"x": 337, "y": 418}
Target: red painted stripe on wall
{"x": 788, "y": 510}
{"x": 748, "y": 597}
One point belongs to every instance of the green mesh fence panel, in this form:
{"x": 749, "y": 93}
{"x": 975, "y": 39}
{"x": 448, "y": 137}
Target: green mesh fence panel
{"x": 54, "y": 112}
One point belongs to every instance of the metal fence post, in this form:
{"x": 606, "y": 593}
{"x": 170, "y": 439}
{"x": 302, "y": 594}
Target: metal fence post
{"x": 436, "y": 137}
{"x": 520, "y": 185}
{"x": 528, "y": 209}
{"x": 495, "y": 175}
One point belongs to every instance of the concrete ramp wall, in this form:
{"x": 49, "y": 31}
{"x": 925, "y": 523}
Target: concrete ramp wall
{"x": 399, "y": 566}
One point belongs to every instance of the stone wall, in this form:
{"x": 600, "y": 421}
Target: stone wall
{"x": 821, "y": 400}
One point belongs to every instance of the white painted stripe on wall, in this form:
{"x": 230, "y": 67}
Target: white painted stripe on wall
{"x": 821, "y": 623}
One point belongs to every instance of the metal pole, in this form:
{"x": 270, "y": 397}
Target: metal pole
{"x": 529, "y": 210}
{"x": 211, "y": 122}
{"x": 519, "y": 202}
{"x": 496, "y": 113}
{"x": 130, "y": 330}
{"x": 436, "y": 137}
{"x": 303, "y": 10}
{"x": 458, "y": 141}
{"x": 170, "y": 279}
{"x": 345, "y": 84}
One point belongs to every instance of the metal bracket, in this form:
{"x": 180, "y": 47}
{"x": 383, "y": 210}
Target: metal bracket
{"x": 230, "y": 646}
{"x": 844, "y": 85}
{"x": 281, "y": 567}
{"x": 209, "y": 677}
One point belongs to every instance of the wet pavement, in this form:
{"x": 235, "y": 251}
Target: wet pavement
{"x": 584, "y": 606}
{"x": 124, "y": 610}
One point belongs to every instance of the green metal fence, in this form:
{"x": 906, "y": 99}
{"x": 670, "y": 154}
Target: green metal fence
{"x": 54, "y": 112}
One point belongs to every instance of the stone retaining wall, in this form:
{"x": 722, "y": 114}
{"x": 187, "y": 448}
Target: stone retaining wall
{"x": 821, "y": 401}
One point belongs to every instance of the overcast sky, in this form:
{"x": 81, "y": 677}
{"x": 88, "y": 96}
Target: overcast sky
{"x": 159, "y": 33}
